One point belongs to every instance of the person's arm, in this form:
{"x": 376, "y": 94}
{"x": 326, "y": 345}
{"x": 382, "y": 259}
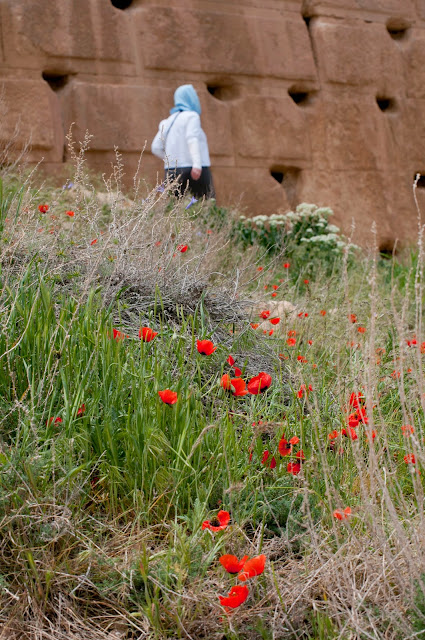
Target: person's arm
{"x": 157, "y": 146}
{"x": 193, "y": 131}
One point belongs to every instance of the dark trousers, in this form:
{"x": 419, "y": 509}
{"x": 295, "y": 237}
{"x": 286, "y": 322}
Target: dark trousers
{"x": 198, "y": 188}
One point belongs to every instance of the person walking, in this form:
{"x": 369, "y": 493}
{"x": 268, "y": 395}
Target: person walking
{"x": 182, "y": 145}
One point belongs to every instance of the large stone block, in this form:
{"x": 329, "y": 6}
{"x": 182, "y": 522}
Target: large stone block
{"x": 216, "y": 122}
{"x": 270, "y": 128}
{"x": 414, "y": 61}
{"x": 225, "y": 43}
{"x": 363, "y": 8}
{"x": 125, "y": 116}
{"x": 30, "y": 115}
{"x": 365, "y": 195}
{"x": 352, "y": 133}
{"x": 67, "y": 36}
{"x": 251, "y": 190}
{"x": 413, "y": 145}
{"x": 357, "y": 54}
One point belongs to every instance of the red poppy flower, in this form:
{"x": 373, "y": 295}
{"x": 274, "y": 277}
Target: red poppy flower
{"x": 301, "y": 358}
{"x": 291, "y": 333}
{"x": 353, "y": 421}
{"x": 205, "y": 347}
{"x": 322, "y": 312}
{"x": 291, "y": 342}
{"x": 231, "y": 361}
{"x": 286, "y": 265}
{"x": 342, "y": 514}
{"x": 239, "y": 387}
{"x": 237, "y": 371}
{"x": 217, "y": 524}
{"x": 274, "y": 320}
{"x": 264, "y": 314}
{"x": 182, "y": 248}
{"x": 71, "y": 214}
{"x": 356, "y": 400}
{"x": 265, "y": 457}
{"x": 43, "y": 208}
{"x": 306, "y": 281}
{"x": 361, "y": 415}
{"x": 237, "y": 596}
{"x": 273, "y": 463}
{"x": 412, "y": 343}
{"x": 93, "y": 242}
{"x": 395, "y": 374}
{"x": 252, "y": 568}
{"x": 300, "y": 455}
{"x": 294, "y": 468}
{"x": 361, "y": 329}
{"x": 407, "y": 429}
{"x": 333, "y": 435}
{"x": 236, "y": 385}
{"x": 54, "y": 420}
{"x": 231, "y": 563}
{"x": 146, "y": 334}
{"x": 410, "y": 458}
{"x": 168, "y": 397}
{"x": 260, "y": 268}
{"x": 259, "y": 383}
{"x": 275, "y": 287}
{"x": 283, "y": 447}
{"x": 351, "y": 433}
{"x": 81, "y": 410}
{"x": 225, "y": 382}
{"x": 274, "y": 295}
{"x": 304, "y": 389}
{"x": 373, "y": 435}
{"x": 294, "y": 440}
{"x": 118, "y": 335}
{"x": 255, "y": 325}
{"x": 352, "y": 317}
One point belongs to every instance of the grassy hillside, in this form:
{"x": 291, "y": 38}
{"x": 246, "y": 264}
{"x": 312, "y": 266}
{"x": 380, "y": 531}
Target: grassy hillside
{"x": 296, "y": 437}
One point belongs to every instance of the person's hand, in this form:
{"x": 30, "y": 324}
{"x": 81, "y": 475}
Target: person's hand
{"x": 195, "y": 173}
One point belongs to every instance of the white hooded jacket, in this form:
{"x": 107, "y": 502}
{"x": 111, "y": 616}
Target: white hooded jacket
{"x": 181, "y": 142}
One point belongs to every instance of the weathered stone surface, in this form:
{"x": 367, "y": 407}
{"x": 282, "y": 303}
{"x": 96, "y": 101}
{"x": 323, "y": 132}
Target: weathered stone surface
{"x": 286, "y": 142}
{"x": 30, "y": 114}
{"x": 252, "y": 190}
{"x": 357, "y": 54}
{"x": 69, "y": 36}
{"x": 414, "y": 64}
{"x": 115, "y": 115}
{"x": 361, "y": 8}
{"x": 225, "y": 42}
{"x": 329, "y": 109}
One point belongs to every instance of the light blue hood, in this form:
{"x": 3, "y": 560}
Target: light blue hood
{"x": 186, "y": 99}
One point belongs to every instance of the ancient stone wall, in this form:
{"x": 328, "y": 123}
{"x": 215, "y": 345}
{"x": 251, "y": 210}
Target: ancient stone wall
{"x": 316, "y": 100}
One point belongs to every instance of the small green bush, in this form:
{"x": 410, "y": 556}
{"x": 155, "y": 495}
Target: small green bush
{"x": 304, "y": 235}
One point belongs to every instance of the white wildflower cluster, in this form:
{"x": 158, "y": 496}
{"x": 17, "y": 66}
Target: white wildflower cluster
{"x": 307, "y": 225}
{"x": 260, "y": 220}
{"x": 275, "y": 219}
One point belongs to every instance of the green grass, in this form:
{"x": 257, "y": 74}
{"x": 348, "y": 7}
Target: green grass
{"x": 104, "y": 508}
